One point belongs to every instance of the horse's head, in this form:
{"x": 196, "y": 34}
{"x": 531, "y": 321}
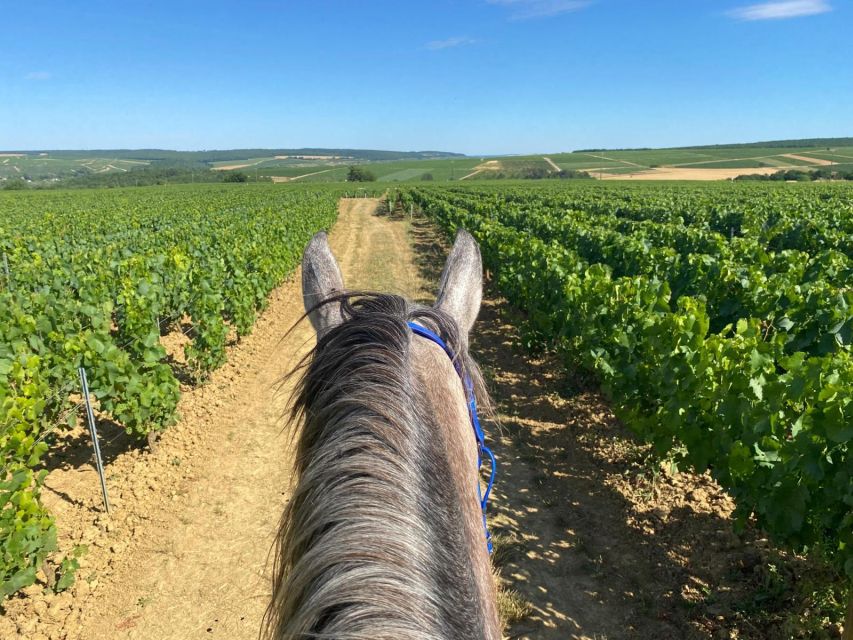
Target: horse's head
{"x": 384, "y": 536}
{"x": 460, "y": 290}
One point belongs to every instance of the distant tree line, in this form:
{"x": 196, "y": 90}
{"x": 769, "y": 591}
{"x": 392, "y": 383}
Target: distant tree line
{"x": 148, "y": 176}
{"x": 205, "y": 157}
{"x": 360, "y": 174}
{"x": 622, "y": 149}
{"x": 798, "y": 175}
{"x": 824, "y": 143}
{"x": 15, "y": 184}
{"x": 534, "y": 173}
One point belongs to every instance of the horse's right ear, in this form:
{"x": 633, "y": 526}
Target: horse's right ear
{"x": 460, "y": 290}
{"x": 321, "y": 279}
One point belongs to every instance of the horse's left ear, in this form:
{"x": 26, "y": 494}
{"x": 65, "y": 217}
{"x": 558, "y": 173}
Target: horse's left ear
{"x": 461, "y": 289}
{"x": 321, "y": 278}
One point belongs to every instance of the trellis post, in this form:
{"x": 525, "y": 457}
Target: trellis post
{"x": 93, "y": 431}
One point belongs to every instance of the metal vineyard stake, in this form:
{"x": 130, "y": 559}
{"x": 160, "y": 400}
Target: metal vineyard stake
{"x": 93, "y": 431}
{"x": 9, "y": 284}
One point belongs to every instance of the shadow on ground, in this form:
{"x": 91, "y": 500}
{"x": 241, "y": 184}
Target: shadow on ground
{"x": 73, "y": 448}
{"x": 599, "y": 546}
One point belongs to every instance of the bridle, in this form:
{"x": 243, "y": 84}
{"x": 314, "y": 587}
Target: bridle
{"x": 482, "y": 449}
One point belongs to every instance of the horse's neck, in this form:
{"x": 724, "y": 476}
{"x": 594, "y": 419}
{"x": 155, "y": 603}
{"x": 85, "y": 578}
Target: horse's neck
{"x": 381, "y": 527}
{"x": 456, "y": 445}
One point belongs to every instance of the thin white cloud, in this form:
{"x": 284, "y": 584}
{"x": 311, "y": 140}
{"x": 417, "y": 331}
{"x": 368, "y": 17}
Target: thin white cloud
{"x": 38, "y": 75}
{"x": 781, "y": 10}
{"x": 528, "y": 9}
{"x": 449, "y": 43}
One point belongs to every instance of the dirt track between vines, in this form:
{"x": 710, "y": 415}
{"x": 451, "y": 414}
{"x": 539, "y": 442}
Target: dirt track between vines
{"x": 597, "y": 548}
{"x": 185, "y": 552}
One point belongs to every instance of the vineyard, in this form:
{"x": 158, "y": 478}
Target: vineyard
{"x": 96, "y": 279}
{"x": 718, "y": 319}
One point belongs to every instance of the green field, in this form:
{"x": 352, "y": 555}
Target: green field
{"x": 440, "y": 170}
{"x": 626, "y": 162}
{"x": 394, "y": 171}
{"x": 716, "y": 317}
{"x": 95, "y": 278}
{"x": 843, "y": 154}
{"x": 708, "y": 158}
{"x": 700, "y": 157}
{"x": 48, "y": 167}
{"x": 271, "y": 162}
{"x": 52, "y": 167}
{"x": 36, "y": 167}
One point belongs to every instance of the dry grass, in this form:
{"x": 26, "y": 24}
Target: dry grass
{"x": 512, "y": 607}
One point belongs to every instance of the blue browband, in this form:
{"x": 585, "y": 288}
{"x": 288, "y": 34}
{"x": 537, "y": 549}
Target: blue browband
{"x": 482, "y": 449}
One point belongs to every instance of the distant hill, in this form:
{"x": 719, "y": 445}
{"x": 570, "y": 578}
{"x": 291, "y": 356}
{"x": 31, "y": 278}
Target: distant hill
{"x": 116, "y": 167}
{"x": 818, "y": 143}
{"x": 226, "y": 155}
{"x": 130, "y": 167}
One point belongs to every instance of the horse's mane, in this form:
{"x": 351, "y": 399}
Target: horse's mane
{"x": 371, "y": 546}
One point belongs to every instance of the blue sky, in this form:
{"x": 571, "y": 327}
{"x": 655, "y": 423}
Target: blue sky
{"x": 475, "y": 76}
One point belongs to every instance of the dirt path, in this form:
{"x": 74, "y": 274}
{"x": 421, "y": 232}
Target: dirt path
{"x": 553, "y": 164}
{"x": 488, "y": 165}
{"x": 814, "y": 161}
{"x": 625, "y": 162}
{"x": 184, "y": 554}
{"x": 292, "y": 178}
{"x": 229, "y": 167}
{"x": 716, "y": 160}
{"x": 599, "y": 544}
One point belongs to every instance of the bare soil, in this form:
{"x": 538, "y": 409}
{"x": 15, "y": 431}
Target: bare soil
{"x": 229, "y": 167}
{"x": 553, "y": 164}
{"x": 815, "y": 161}
{"x": 687, "y": 173}
{"x": 292, "y": 178}
{"x": 184, "y": 554}
{"x": 601, "y": 542}
{"x": 597, "y": 543}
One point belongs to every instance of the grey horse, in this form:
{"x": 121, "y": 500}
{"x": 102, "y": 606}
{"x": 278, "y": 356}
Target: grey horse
{"x": 383, "y": 538}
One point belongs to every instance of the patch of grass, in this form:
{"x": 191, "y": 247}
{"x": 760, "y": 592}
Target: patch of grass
{"x": 512, "y": 607}
{"x": 506, "y": 547}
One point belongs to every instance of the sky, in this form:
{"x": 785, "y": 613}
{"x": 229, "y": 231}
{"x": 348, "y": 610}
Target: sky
{"x": 471, "y": 76}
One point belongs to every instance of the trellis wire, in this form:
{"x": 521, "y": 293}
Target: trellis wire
{"x": 66, "y": 389}
{"x": 50, "y": 429}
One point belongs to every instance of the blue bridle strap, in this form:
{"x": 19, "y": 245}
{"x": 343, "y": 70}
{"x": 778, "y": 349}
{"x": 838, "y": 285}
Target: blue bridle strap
{"x": 482, "y": 449}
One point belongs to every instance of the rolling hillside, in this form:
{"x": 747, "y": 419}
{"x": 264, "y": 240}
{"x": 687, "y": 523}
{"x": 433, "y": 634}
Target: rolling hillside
{"x": 713, "y": 162}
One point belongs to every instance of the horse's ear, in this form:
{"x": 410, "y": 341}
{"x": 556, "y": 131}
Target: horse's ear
{"x": 461, "y": 288}
{"x": 321, "y": 279}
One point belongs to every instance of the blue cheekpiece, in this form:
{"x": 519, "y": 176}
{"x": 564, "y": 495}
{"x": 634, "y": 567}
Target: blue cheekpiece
{"x": 482, "y": 449}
